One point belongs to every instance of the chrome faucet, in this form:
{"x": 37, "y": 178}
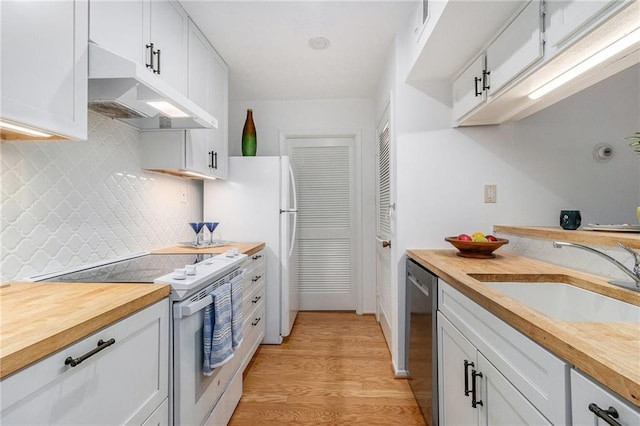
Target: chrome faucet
{"x": 634, "y": 273}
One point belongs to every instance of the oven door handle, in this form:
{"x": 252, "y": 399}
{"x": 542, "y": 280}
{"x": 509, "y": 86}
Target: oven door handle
{"x": 182, "y": 310}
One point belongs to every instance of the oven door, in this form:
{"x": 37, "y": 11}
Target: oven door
{"x": 195, "y": 394}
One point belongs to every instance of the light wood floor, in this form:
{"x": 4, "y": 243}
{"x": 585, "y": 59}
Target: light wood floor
{"x": 334, "y": 368}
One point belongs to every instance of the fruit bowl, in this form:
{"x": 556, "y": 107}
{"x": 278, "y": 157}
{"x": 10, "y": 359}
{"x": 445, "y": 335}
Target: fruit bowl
{"x": 476, "y": 249}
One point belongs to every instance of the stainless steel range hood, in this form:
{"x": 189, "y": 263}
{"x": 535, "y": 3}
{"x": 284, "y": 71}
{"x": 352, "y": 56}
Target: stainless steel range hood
{"x": 122, "y": 89}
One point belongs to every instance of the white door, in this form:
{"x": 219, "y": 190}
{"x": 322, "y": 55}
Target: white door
{"x": 326, "y": 234}
{"x": 383, "y": 225}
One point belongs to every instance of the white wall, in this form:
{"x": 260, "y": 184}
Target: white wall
{"x": 541, "y": 164}
{"x": 66, "y": 204}
{"x": 320, "y": 116}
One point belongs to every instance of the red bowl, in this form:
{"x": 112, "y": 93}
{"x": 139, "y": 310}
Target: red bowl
{"x": 476, "y": 249}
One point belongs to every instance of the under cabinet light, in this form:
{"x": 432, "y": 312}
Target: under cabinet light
{"x": 606, "y": 53}
{"x": 24, "y": 130}
{"x": 194, "y": 174}
{"x": 168, "y": 109}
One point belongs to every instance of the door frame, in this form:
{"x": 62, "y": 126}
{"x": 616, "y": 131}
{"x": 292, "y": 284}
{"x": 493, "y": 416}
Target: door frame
{"x": 356, "y": 135}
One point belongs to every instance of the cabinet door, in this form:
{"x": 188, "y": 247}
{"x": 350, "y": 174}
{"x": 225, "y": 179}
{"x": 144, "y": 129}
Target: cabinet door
{"x": 585, "y": 392}
{"x": 502, "y": 404}
{"x": 220, "y": 110}
{"x": 565, "y": 18}
{"x": 121, "y": 27}
{"x": 44, "y": 65}
{"x": 123, "y": 383}
{"x": 467, "y": 89}
{"x": 198, "y": 152}
{"x": 199, "y": 142}
{"x": 517, "y": 48}
{"x": 453, "y": 350}
{"x": 169, "y": 35}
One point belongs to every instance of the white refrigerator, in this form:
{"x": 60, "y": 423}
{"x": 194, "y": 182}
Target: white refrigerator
{"x": 258, "y": 203}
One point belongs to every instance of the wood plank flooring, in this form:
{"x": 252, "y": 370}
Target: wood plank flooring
{"x": 333, "y": 369}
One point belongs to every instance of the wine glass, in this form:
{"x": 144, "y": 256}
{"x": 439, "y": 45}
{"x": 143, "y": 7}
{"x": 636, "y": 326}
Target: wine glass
{"x": 211, "y": 226}
{"x": 197, "y": 227}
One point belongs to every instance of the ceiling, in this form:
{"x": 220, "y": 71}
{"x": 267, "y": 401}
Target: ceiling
{"x": 265, "y": 44}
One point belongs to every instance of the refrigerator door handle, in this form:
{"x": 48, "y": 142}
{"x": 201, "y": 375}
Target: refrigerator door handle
{"x": 293, "y": 190}
{"x": 294, "y": 211}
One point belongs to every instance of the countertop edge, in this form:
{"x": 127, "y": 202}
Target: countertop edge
{"x": 245, "y": 248}
{"x": 599, "y": 238}
{"x": 539, "y": 328}
{"x": 15, "y": 361}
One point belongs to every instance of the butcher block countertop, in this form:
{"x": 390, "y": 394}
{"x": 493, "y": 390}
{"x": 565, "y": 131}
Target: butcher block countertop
{"x": 608, "y": 352}
{"x": 246, "y": 248}
{"x": 38, "y": 319}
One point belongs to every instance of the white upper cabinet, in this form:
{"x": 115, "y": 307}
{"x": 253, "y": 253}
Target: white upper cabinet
{"x": 44, "y": 67}
{"x": 195, "y": 153}
{"x": 566, "y": 18}
{"x": 517, "y": 48}
{"x": 525, "y": 43}
{"x": 468, "y": 88}
{"x": 169, "y": 25}
{"x": 152, "y": 33}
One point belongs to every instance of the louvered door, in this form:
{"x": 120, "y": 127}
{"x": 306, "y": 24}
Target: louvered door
{"x": 323, "y": 168}
{"x": 383, "y": 226}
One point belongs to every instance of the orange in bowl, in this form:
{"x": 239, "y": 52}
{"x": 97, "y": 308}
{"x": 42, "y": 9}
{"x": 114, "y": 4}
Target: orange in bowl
{"x": 476, "y": 249}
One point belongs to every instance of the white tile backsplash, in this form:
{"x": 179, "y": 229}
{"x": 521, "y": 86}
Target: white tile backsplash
{"x": 64, "y": 204}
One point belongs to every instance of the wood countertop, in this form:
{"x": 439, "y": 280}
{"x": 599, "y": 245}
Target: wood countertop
{"x": 608, "y": 352}
{"x": 599, "y": 238}
{"x": 246, "y": 248}
{"x": 38, "y": 319}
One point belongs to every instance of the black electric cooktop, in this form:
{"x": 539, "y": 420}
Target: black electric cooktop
{"x": 142, "y": 269}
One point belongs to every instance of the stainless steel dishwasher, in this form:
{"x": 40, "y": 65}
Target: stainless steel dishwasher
{"x": 422, "y": 342}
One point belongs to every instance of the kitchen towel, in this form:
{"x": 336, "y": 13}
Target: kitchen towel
{"x": 236, "y": 311}
{"x": 216, "y": 333}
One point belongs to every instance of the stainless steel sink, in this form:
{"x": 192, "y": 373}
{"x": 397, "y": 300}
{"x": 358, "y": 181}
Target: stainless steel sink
{"x": 567, "y": 302}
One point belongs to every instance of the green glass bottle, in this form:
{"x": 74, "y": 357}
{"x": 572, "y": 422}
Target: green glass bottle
{"x": 249, "y": 141}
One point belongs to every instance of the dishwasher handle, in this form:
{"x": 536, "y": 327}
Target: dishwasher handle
{"x": 415, "y": 282}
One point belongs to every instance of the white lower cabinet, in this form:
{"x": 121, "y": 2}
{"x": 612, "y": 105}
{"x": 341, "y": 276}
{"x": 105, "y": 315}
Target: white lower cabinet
{"x": 591, "y": 404}
{"x": 514, "y": 380}
{"x": 124, "y": 383}
{"x": 253, "y": 306}
{"x": 472, "y": 390}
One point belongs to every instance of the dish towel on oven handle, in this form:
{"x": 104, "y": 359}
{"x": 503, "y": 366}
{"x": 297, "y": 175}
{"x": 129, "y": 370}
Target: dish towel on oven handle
{"x": 216, "y": 333}
{"x": 236, "y": 311}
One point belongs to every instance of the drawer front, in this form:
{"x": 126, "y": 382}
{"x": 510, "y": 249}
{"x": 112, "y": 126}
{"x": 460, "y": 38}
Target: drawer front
{"x": 124, "y": 383}
{"x": 225, "y": 407}
{"x": 253, "y": 300}
{"x": 253, "y": 333}
{"x": 254, "y": 261}
{"x": 538, "y": 374}
{"x": 585, "y": 391}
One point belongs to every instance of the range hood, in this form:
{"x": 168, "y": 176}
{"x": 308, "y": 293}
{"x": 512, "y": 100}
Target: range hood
{"x": 122, "y": 89}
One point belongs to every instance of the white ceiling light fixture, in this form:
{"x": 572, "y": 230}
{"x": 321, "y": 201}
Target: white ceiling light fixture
{"x": 606, "y": 53}
{"x": 319, "y": 43}
{"x": 24, "y": 130}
